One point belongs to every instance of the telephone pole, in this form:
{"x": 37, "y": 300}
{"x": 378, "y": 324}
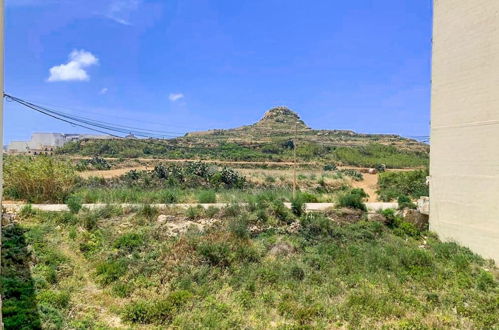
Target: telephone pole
{"x": 294, "y": 160}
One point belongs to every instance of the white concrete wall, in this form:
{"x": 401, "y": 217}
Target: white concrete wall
{"x": 17, "y": 146}
{"x": 464, "y": 156}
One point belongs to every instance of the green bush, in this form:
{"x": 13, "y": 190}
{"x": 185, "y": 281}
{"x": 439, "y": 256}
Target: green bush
{"x": 330, "y": 167}
{"x": 298, "y": 205}
{"x": 156, "y": 311}
{"x": 395, "y": 184}
{"x": 239, "y": 227}
{"x": 128, "y": 242}
{"x": 148, "y": 212}
{"x": 38, "y": 179}
{"x": 194, "y": 212}
{"x": 314, "y": 225}
{"x": 405, "y": 202}
{"x": 353, "y": 199}
{"x": 110, "y": 271}
{"x": 74, "y": 204}
{"x": 58, "y": 299}
{"x": 207, "y": 196}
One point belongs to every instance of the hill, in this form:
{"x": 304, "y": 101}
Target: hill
{"x": 270, "y": 139}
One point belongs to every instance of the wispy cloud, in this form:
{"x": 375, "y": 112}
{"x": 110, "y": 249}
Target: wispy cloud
{"x": 120, "y": 11}
{"x": 175, "y": 96}
{"x": 103, "y": 91}
{"x": 74, "y": 69}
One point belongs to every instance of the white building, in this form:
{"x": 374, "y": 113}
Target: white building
{"x": 464, "y": 156}
{"x": 47, "y": 142}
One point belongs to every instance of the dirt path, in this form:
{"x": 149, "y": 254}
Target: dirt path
{"x": 369, "y": 184}
{"x": 95, "y": 299}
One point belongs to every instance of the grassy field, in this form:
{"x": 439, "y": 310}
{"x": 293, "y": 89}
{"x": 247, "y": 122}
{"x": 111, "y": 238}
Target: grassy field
{"x": 255, "y": 268}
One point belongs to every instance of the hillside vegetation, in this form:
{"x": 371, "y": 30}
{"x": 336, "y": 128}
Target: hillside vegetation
{"x": 256, "y": 267}
{"x": 271, "y": 139}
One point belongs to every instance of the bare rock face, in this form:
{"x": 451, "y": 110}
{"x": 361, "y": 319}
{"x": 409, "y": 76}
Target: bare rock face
{"x": 376, "y": 217}
{"x": 419, "y": 220}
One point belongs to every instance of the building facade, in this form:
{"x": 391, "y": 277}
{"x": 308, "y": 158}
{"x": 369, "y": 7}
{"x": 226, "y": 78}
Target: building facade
{"x": 46, "y": 143}
{"x": 464, "y": 156}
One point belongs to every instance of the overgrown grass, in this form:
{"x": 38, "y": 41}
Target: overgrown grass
{"x": 393, "y": 185}
{"x": 38, "y": 179}
{"x": 320, "y": 275}
{"x": 373, "y": 155}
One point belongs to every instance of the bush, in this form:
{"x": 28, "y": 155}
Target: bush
{"x": 395, "y": 184}
{"x": 128, "y": 242}
{"x": 109, "y": 271}
{"x": 405, "y": 202}
{"x": 330, "y": 167}
{"x": 298, "y": 205}
{"x": 239, "y": 228}
{"x": 74, "y": 204}
{"x": 207, "y": 196}
{"x": 194, "y": 212}
{"x": 354, "y": 174}
{"x": 148, "y": 212}
{"x": 169, "y": 197}
{"x": 38, "y": 179}
{"x": 315, "y": 225}
{"x": 353, "y": 199}
{"x": 156, "y": 311}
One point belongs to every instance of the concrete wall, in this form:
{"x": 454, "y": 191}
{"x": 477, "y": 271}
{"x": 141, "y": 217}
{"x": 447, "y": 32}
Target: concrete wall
{"x": 464, "y": 169}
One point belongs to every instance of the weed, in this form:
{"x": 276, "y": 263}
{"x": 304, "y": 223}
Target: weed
{"x": 128, "y": 242}
{"x": 353, "y": 199}
{"x": 207, "y": 196}
{"x": 74, "y": 204}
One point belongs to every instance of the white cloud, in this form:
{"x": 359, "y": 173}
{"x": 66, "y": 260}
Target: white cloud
{"x": 120, "y": 11}
{"x": 175, "y": 96}
{"x": 104, "y": 91}
{"x": 74, "y": 69}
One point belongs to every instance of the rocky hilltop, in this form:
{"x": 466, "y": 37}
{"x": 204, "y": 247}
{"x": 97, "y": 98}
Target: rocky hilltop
{"x": 280, "y": 123}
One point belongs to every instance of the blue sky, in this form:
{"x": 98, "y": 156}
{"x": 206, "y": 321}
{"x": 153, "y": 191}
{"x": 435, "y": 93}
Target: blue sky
{"x": 183, "y": 65}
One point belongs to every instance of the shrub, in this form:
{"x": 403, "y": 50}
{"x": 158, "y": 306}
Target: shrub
{"x": 405, "y": 202}
{"x": 297, "y": 273}
{"x": 148, "y": 212}
{"x": 239, "y": 227}
{"x": 330, "y": 167}
{"x": 169, "y": 197}
{"x": 89, "y": 220}
{"x": 194, "y": 212}
{"x": 109, "y": 271}
{"x": 156, "y": 311}
{"x": 354, "y": 174}
{"x": 215, "y": 253}
{"x": 74, "y": 204}
{"x": 298, "y": 205}
{"x": 353, "y": 199}
{"x": 316, "y": 225}
{"x": 58, "y": 299}
{"x": 128, "y": 242}
{"x": 27, "y": 211}
{"x": 207, "y": 196}
{"x": 394, "y": 184}
{"x": 38, "y": 179}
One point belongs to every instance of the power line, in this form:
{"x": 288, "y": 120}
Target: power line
{"x": 91, "y": 124}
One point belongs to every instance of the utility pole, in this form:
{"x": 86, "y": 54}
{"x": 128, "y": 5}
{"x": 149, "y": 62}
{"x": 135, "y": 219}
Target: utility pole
{"x": 2, "y": 50}
{"x": 294, "y": 160}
